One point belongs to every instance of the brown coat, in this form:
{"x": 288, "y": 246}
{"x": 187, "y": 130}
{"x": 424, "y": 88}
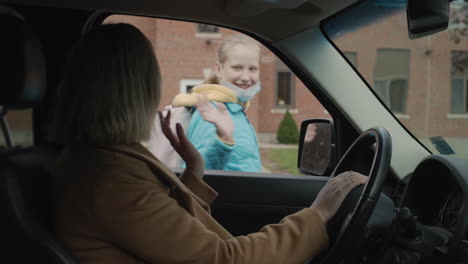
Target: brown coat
{"x": 121, "y": 205}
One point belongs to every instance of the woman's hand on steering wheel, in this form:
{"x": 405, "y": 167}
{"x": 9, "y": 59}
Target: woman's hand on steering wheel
{"x": 334, "y": 192}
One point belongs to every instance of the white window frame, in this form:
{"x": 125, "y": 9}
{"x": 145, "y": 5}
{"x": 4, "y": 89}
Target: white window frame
{"x": 188, "y": 82}
{"x": 388, "y": 80}
{"x": 465, "y": 84}
{"x": 206, "y": 34}
{"x": 355, "y": 64}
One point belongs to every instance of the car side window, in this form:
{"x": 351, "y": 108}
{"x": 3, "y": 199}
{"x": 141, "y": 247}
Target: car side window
{"x": 266, "y": 125}
{"x": 19, "y": 123}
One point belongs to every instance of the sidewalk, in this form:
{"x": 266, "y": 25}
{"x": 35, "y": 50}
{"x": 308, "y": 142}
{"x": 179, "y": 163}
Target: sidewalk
{"x": 277, "y": 146}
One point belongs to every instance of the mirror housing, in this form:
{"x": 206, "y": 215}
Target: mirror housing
{"x": 426, "y": 17}
{"x": 317, "y": 151}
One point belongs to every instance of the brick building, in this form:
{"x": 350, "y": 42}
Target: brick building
{"x": 415, "y": 78}
{"x": 425, "y": 96}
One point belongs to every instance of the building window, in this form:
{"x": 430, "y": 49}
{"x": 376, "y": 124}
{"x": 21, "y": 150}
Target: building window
{"x": 459, "y": 91}
{"x": 187, "y": 84}
{"x": 352, "y": 57}
{"x": 205, "y": 28}
{"x": 207, "y": 32}
{"x": 284, "y": 89}
{"x": 284, "y": 86}
{"x": 459, "y": 98}
{"x": 391, "y": 74}
{"x": 393, "y": 93}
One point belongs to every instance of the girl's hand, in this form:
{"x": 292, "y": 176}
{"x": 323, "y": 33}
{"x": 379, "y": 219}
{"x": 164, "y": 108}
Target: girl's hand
{"x": 219, "y": 116}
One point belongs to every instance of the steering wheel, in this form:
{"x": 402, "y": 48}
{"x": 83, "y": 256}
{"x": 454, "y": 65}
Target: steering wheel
{"x": 370, "y": 155}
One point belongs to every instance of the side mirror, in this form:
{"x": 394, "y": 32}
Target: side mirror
{"x": 317, "y": 152}
{"x": 426, "y": 17}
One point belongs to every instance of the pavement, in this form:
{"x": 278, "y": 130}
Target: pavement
{"x": 277, "y": 146}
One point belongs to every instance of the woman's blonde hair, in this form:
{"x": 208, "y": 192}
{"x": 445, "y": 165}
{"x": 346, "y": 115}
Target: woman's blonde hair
{"x": 111, "y": 89}
{"x": 228, "y": 43}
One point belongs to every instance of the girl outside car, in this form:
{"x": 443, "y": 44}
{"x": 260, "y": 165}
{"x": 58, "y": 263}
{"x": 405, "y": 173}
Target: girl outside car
{"x": 217, "y": 124}
{"x": 117, "y": 203}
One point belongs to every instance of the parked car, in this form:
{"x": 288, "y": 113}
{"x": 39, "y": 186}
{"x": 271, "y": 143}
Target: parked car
{"x": 411, "y": 211}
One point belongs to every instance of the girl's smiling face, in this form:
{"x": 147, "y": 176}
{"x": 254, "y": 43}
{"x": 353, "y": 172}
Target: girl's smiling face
{"x": 241, "y": 66}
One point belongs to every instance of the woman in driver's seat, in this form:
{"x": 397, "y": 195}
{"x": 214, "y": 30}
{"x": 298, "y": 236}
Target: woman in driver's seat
{"x": 118, "y": 204}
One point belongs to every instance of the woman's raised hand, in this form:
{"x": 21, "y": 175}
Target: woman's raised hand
{"x": 334, "y": 192}
{"x": 181, "y": 144}
{"x": 219, "y": 116}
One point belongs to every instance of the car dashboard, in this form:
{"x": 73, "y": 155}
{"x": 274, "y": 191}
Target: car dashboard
{"x": 436, "y": 193}
{"x": 436, "y": 196}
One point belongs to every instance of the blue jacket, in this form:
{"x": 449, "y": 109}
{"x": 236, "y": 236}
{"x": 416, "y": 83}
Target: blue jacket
{"x": 243, "y": 156}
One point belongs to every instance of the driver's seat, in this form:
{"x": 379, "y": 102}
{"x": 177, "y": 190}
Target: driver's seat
{"x": 25, "y": 181}
{"x": 25, "y": 201}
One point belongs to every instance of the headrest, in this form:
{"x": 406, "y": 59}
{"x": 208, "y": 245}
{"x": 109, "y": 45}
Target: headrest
{"x": 22, "y": 67}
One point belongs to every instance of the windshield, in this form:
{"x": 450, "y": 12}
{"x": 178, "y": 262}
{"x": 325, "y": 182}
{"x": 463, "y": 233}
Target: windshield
{"x": 423, "y": 82}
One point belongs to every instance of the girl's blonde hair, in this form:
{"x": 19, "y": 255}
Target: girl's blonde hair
{"x": 228, "y": 43}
